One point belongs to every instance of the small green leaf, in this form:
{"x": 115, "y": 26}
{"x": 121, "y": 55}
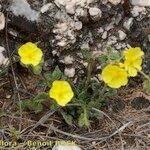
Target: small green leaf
{"x": 42, "y": 96}
{"x": 86, "y": 54}
{"x": 84, "y": 119}
{"x": 37, "y": 69}
{"x": 56, "y": 75}
{"x": 103, "y": 58}
{"x": 146, "y": 85}
{"x": 68, "y": 118}
{"x": 114, "y": 56}
{"x": 35, "y": 104}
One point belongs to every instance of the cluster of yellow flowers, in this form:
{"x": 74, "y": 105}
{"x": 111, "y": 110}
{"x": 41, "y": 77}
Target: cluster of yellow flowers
{"x": 61, "y": 91}
{"x": 116, "y": 75}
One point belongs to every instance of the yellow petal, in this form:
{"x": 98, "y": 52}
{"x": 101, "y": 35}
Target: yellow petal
{"x": 114, "y": 76}
{"x": 133, "y": 53}
{"x": 62, "y": 92}
{"x": 30, "y": 54}
{"x": 132, "y": 72}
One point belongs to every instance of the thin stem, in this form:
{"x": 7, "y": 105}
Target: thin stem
{"x": 145, "y": 75}
{"x": 90, "y": 68}
{"x": 102, "y": 93}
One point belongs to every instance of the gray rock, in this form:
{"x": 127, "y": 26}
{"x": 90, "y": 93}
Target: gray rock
{"x": 2, "y": 21}
{"x": 140, "y": 2}
{"x": 95, "y": 13}
{"x": 23, "y": 8}
{"x": 115, "y": 2}
{"x": 3, "y": 59}
{"x": 122, "y": 35}
{"x": 70, "y": 72}
{"x": 128, "y": 23}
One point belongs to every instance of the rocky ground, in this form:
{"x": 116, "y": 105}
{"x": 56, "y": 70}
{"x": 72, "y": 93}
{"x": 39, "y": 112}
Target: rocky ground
{"x": 62, "y": 28}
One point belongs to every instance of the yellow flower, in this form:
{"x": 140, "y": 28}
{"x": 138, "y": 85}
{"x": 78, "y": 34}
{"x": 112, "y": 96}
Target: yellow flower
{"x": 62, "y": 92}
{"x": 133, "y": 60}
{"x": 30, "y": 54}
{"x": 114, "y": 76}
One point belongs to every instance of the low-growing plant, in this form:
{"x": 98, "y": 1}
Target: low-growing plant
{"x": 77, "y": 100}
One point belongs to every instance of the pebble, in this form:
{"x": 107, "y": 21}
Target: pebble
{"x": 3, "y": 59}
{"x": 104, "y": 36}
{"x": 149, "y": 37}
{"x": 70, "y": 72}
{"x": 45, "y": 8}
{"x": 63, "y": 147}
{"x": 95, "y": 13}
{"x": 23, "y": 8}
{"x": 2, "y": 21}
{"x": 68, "y": 60}
{"x": 128, "y": 23}
{"x": 70, "y": 9}
{"x": 78, "y": 25}
{"x": 122, "y": 35}
{"x": 140, "y": 2}
{"x": 115, "y": 2}
{"x": 136, "y": 10}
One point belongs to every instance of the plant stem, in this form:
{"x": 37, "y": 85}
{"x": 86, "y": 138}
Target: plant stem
{"x": 90, "y": 68}
{"x": 145, "y": 75}
{"x": 102, "y": 93}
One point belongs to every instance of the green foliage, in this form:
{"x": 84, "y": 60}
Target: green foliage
{"x": 35, "y": 104}
{"x": 37, "y": 69}
{"x": 87, "y": 54}
{"x": 146, "y": 85}
{"x": 109, "y": 56}
{"x": 68, "y": 118}
{"x": 14, "y": 134}
{"x": 84, "y": 119}
{"x": 57, "y": 74}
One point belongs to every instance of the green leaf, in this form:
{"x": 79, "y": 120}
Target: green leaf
{"x": 52, "y": 76}
{"x": 87, "y": 55}
{"x": 146, "y": 85}
{"x": 37, "y": 69}
{"x": 111, "y": 93}
{"x": 35, "y": 104}
{"x": 84, "y": 119}
{"x": 68, "y": 118}
{"x": 114, "y": 56}
{"x": 103, "y": 58}
{"x": 42, "y": 96}
{"x": 56, "y": 75}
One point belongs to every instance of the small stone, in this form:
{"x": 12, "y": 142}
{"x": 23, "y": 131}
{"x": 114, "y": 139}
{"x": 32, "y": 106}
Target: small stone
{"x": 70, "y": 9}
{"x": 45, "y": 8}
{"x": 136, "y": 10}
{"x": 68, "y": 60}
{"x": 104, "y": 36}
{"x": 85, "y": 46}
{"x": 78, "y": 25}
{"x": 23, "y": 8}
{"x": 128, "y": 23}
{"x": 140, "y": 2}
{"x": 114, "y": 2}
{"x": 3, "y": 59}
{"x": 122, "y": 35}
{"x": 70, "y": 72}
{"x": 8, "y": 96}
{"x": 149, "y": 37}
{"x": 2, "y": 21}
{"x": 67, "y": 147}
{"x": 95, "y": 13}
{"x": 62, "y": 43}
